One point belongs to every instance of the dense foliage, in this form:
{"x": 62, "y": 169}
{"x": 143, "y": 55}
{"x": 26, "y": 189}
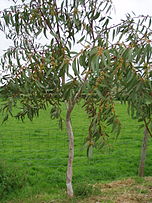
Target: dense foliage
{"x": 111, "y": 56}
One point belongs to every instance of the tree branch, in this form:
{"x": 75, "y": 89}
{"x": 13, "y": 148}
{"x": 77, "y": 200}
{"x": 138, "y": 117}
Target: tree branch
{"x": 147, "y": 127}
{"x": 80, "y": 90}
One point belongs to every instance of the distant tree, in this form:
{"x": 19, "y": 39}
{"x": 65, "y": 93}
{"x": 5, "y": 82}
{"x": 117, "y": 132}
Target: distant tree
{"x": 49, "y": 73}
{"x": 137, "y": 92}
{"x": 141, "y": 169}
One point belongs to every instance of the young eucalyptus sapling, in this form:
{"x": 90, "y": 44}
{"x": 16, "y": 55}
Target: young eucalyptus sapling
{"x": 48, "y": 74}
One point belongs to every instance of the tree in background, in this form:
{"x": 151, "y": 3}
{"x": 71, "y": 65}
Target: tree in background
{"x": 112, "y": 59}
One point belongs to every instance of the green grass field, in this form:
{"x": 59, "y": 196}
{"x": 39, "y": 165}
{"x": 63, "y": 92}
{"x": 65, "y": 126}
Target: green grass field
{"x": 33, "y": 157}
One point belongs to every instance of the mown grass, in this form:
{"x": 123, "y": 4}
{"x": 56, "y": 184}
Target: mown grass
{"x": 37, "y": 151}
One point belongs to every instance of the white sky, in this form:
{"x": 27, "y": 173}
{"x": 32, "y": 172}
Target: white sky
{"x": 121, "y": 8}
{"x": 127, "y": 6}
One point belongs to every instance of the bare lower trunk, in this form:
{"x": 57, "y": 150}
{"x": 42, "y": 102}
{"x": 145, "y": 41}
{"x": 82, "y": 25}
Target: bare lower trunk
{"x": 71, "y": 153}
{"x": 143, "y": 154}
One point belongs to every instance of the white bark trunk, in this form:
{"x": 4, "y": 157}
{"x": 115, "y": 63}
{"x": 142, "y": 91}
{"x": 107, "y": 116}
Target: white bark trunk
{"x": 71, "y": 152}
{"x": 143, "y": 154}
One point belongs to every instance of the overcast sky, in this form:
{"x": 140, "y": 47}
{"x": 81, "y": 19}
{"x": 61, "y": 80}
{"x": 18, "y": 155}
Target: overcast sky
{"x": 137, "y": 6}
{"x": 121, "y": 8}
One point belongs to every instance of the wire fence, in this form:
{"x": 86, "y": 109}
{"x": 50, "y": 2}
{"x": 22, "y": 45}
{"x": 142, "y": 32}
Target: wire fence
{"x": 27, "y": 146}
{"x": 46, "y": 148}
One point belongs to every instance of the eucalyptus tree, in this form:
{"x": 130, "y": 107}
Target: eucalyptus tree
{"x": 110, "y": 58}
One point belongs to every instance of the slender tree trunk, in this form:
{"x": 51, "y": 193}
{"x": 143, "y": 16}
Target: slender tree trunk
{"x": 71, "y": 152}
{"x": 143, "y": 154}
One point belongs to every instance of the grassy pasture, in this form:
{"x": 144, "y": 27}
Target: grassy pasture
{"x": 36, "y": 153}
